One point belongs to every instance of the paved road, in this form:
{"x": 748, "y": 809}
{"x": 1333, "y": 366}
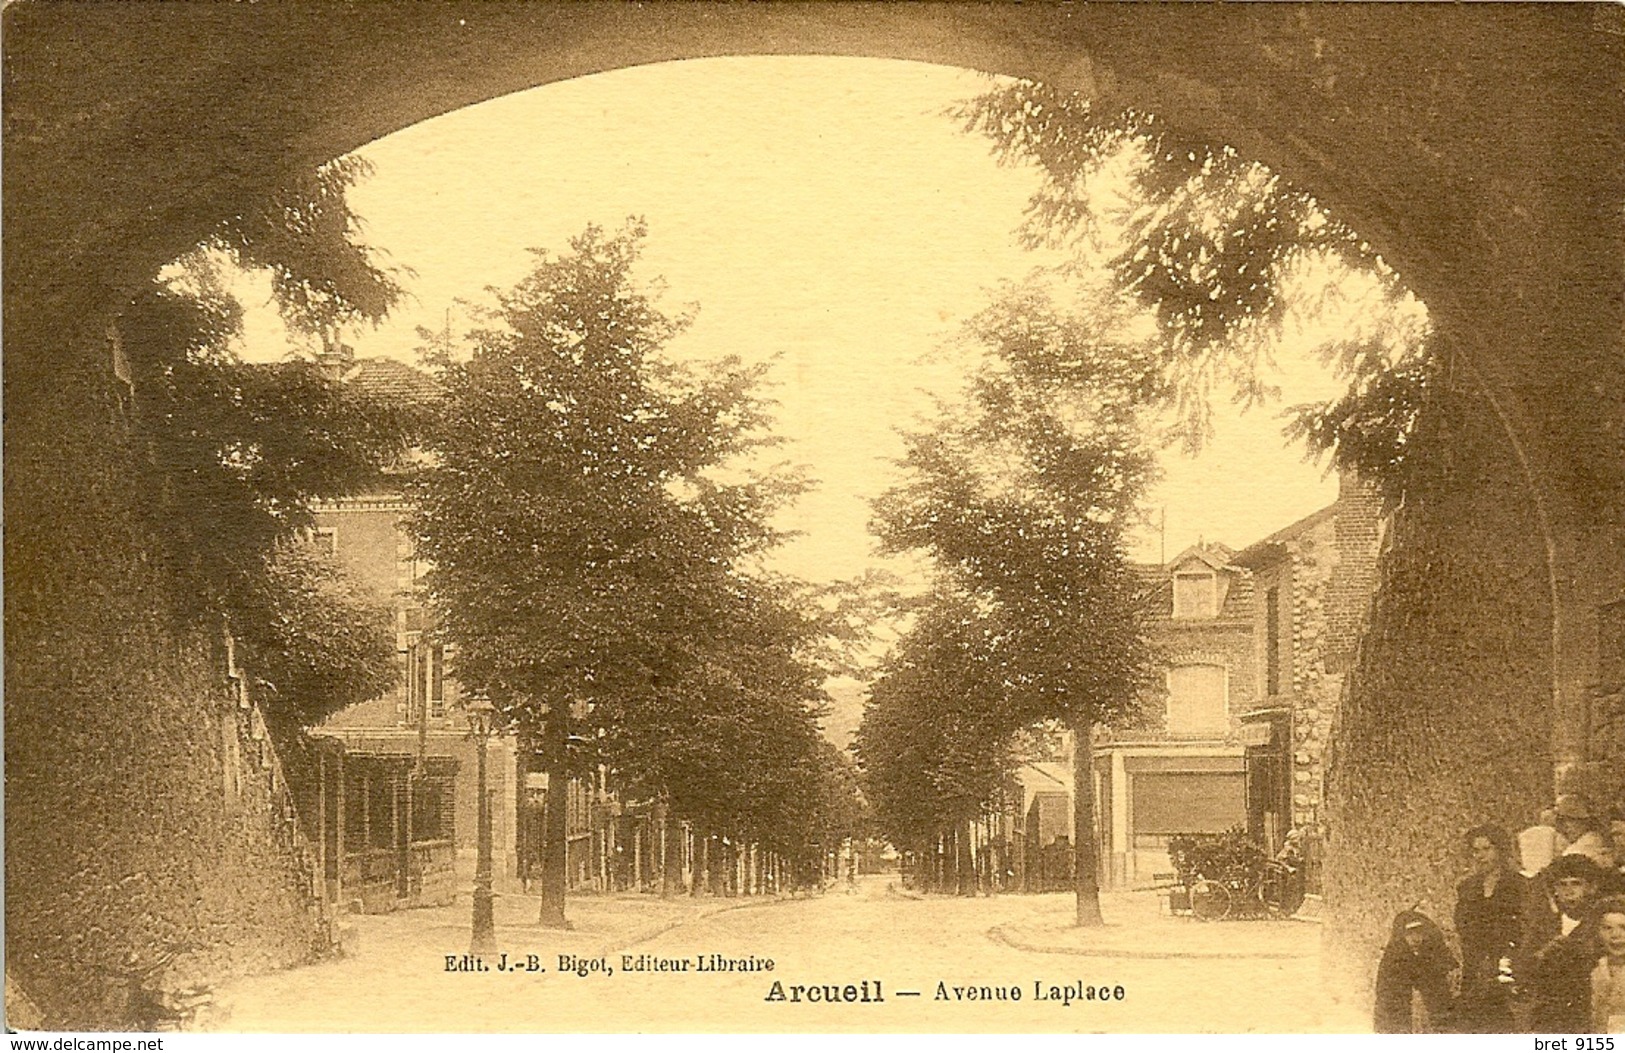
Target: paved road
{"x": 872, "y": 942}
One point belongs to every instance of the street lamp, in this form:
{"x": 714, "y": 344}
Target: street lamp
{"x": 481, "y": 724}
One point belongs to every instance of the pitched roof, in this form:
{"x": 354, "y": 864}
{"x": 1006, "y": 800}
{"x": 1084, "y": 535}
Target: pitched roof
{"x": 1271, "y": 548}
{"x": 1238, "y": 598}
{"x": 1155, "y": 580}
{"x": 1215, "y": 556}
{"x": 389, "y": 378}
{"x": 1149, "y": 576}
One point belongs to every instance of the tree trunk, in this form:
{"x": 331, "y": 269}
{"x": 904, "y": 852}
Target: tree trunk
{"x": 1085, "y": 862}
{"x": 671, "y": 855}
{"x": 702, "y": 862}
{"x": 966, "y": 862}
{"x": 715, "y": 860}
{"x": 523, "y": 849}
{"x": 555, "y": 862}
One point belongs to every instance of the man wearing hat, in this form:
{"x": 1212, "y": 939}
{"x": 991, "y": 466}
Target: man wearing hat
{"x": 1581, "y": 829}
{"x": 1556, "y": 977}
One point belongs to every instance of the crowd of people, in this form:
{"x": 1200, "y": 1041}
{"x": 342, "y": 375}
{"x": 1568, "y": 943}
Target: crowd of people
{"x": 1540, "y": 925}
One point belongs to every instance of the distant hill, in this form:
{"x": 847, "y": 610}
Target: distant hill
{"x": 845, "y": 711}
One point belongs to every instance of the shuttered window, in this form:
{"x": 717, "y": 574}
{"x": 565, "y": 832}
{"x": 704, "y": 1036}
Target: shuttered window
{"x": 1195, "y": 596}
{"x": 1189, "y": 802}
{"x": 1197, "y": 705}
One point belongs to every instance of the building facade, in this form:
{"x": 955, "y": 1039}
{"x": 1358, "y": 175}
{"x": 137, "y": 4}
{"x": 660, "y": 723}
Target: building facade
{"x": 1181, "y": 768}
{"x": 1256, "y": 645}
{"x": 399, "y": 772}
{"x": 396, "y": 794}
{"x": 1312, "y": 582}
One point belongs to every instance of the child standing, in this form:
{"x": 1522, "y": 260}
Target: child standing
{"x": 1416, "y": 963}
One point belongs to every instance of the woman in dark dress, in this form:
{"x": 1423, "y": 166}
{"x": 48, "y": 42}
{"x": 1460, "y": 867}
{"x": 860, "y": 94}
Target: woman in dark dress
{"x": 1490, "y": 905}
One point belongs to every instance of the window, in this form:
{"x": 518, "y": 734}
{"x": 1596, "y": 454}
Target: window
{"x": 1195, "y": 596}
{"x": 414, "y": 681}
{"x": 425, "y": 680}
{"x": 1272, "y": 642}
{"x": 437, "y": 681}
{"x": 1197, "y": 705}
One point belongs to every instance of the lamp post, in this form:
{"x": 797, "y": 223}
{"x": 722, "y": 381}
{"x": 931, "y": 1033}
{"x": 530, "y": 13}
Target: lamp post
{"x": 481, "y": 724}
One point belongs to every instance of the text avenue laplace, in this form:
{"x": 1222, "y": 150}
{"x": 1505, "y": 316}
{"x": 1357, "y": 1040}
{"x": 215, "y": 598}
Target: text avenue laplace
{"x": 1042, "y": 991}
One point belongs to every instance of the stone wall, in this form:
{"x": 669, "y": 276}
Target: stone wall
{"x": 145, "y": 845}
{"x": 1447, "y": 715}
{"x": 1314, "y": 691}
{"x": 1358, "y": 533}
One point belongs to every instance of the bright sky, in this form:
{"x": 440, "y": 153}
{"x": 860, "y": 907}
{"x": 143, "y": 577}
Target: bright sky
{"x": 821, "y": 210}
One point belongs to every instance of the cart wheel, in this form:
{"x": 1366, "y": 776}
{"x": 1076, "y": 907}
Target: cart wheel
{"x": 1210, "y": 901}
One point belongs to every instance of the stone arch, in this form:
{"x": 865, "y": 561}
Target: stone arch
{"x": 173, "y": 120}
{"x": 1475, "y": 147}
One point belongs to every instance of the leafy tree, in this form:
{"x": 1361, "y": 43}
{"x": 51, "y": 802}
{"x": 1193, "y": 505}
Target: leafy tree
{"x": 1224, "y": 251}
{"x": 237, "y": 451}
{"x": 838, "y": 809}
{"x": 1021, "y": 497}
{"x": 725, "y": 725}
{"x": 934, "y": 743}
{"x": 726, "y": 732}
{"x": 590, "y": 530}
{"x": 322, "y": 640}
{"x": 1378, "y": 426}
{"x": 323, "y": 275}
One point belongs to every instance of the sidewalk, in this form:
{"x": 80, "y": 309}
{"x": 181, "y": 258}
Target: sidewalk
{"x": 1239, "y": 961}
{"x": 600, "y": 923}
{"x": 403, "y": 957}
{"x": 1137, "y": 927}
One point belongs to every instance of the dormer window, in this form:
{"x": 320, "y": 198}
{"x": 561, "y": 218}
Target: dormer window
{"x": 1196, "y": 595}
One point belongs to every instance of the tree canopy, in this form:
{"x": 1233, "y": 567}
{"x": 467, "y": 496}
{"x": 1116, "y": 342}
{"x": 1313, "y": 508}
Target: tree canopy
{"x": 323, "y": 274}
{"x": 238, "y": 451}
{"x": 595, "y": 533}
{"x": 935, "y": 743}
{"x": 1223, "y": 250}
{"x": 1020, "y": 494}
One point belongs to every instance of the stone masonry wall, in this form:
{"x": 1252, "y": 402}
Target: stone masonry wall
{"x": 1447, "y": 717}
{"x": 1348, "y": 600}
{"x": 1314, "y": 559}
{"x": 143, "y": 845}
{"x": 1334, "y": 578}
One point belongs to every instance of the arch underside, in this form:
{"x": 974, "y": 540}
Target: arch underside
{"x": 1475, "y": 148}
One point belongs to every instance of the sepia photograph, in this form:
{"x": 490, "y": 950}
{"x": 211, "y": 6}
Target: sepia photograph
{"x": 813, "y": 518}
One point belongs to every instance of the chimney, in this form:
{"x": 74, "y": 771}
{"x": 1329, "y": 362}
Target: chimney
{"x": 335, "y": 357}
{"x": 1354, "y": 579}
